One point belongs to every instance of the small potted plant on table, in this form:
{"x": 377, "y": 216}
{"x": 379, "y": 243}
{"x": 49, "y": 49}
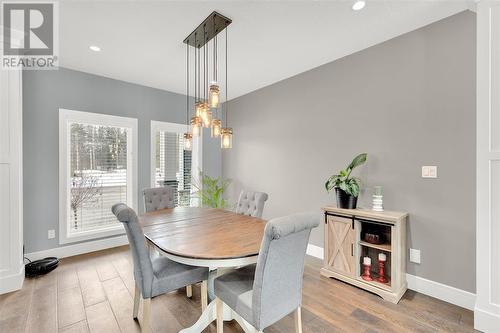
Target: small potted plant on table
{"x": 346, "y": 187}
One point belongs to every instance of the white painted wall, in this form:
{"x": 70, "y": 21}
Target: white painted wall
{"x": 487, "y": 309}
{"x": 11, "y": 188}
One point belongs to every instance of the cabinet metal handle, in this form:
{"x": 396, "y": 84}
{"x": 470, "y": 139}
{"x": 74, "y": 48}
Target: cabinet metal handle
{"x": 352, "y": 250}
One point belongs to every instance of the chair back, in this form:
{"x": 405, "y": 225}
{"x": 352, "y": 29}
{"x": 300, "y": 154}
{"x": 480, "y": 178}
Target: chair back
{"x": 277, "y": 289}
{"x": 143, "y": 267}
{"x": 251, "y": 203}
{"x": 158, "y": 198}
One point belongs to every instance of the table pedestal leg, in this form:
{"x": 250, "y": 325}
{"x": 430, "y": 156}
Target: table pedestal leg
{"x": 210, "y": 314}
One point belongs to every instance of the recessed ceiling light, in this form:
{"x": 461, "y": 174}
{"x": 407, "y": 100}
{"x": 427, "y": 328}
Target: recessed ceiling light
{"x": 95, "y": 48}
{"x": 358, "y": 5}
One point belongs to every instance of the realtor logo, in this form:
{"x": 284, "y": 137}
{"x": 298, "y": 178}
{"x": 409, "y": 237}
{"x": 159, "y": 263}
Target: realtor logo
{"x": 30, "y": 35}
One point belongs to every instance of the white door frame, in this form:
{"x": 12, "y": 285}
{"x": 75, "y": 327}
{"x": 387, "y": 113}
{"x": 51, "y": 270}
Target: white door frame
{"x": 487, "y": 308}
{"x": 11, "y": 179}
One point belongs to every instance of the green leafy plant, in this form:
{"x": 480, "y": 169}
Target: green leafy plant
{"x": 210, "y": 191}
{"x": 343, "y": 179}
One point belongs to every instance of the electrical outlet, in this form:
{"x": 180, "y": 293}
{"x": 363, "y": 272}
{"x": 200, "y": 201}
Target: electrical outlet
{"x": 429, "y": 171}
{"x": 415, "y": 256}
{"x": 51, "y": 234}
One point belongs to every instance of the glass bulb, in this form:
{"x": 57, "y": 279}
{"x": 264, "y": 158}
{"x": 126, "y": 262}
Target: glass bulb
{"x": 214, "y": 95}
{"x": 199, "y": 108}
{"x": 196, "y": 126}
{"x": 188, "y": 141}
{"x": 201, "y": 111}
{"x": 226, "y": 138}
{"x": 216, "y": 127}
{"x": 207, "y": 120}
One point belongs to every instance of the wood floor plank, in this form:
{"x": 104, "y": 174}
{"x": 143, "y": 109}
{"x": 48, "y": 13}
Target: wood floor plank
{"x": 70, "y": 309}
{"x": 67, "y": 278}
{"x": 80, "y": 327}
{"x": 15, "y": 309}
{"x": 91, "y": 285}
{"x": 106, "y": 270}
{"x": 100, "y": 318}
{"x": 122, "y": 304}
{"x": 43, "y": 314}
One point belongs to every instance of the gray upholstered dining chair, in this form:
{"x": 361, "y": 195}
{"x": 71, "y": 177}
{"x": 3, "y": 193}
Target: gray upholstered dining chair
{"x": 158, "y": 276}
{"x": 251, "y": 203}
{"x": 158, "y": 198}
{"x": 265, "y": 292}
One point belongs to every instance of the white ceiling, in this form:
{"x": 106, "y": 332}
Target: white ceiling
{"x": 269, "y": 41}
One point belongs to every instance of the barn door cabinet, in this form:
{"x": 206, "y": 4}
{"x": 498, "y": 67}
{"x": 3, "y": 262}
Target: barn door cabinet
{"x": 346, "y": 246}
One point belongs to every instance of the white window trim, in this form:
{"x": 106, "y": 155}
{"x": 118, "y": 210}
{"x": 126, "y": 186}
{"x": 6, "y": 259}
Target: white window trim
{"x": 93, "y": 118}
{"x": 197, "y": 161}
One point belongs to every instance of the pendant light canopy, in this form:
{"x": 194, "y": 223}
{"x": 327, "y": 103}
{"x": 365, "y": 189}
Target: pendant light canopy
{"x": 207, "y": 89}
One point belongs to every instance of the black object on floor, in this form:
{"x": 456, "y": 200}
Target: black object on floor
{"x": 40, "y": 267}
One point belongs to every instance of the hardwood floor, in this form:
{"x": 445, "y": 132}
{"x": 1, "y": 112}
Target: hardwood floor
{"x": 93, "y": 293}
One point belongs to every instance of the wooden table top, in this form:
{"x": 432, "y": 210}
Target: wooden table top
{"x": 203, "y": 233}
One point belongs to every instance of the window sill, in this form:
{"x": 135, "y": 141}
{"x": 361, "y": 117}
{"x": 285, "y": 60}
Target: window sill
{"x": 91, "y": 234}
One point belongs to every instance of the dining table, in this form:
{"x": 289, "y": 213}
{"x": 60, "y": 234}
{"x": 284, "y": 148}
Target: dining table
{"x": 209, "y": 237}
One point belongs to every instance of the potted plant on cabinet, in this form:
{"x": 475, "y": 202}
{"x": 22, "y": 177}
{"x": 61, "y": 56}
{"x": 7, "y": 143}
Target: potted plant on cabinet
{"x": 346, "y": 187}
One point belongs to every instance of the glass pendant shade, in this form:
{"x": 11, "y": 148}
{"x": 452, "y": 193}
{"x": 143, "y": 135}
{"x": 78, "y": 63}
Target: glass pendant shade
{"x": 196, "y": 126}
{"x": 188, "y": 141}
{"x": 226, "y": 138}
{"x": 198, "y": 108}
{"x": 216, "y": 128}
{"x": 214, "y": 96}
{"x": 207, "y": 119}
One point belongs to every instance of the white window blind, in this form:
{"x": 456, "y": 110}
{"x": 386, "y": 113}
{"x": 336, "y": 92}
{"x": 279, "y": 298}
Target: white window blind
{"x": 98, "y": 171}
{"x": 173, "y": 165}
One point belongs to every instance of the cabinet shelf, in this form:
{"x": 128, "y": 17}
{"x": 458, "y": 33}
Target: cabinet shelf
{"x": 382, "y": 247}
{"x": 377, "y": 284}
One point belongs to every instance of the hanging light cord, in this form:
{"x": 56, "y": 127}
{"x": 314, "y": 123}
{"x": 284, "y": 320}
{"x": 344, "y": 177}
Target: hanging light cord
{"x": 187, "y": 83}
{"x": 226, "y": 104}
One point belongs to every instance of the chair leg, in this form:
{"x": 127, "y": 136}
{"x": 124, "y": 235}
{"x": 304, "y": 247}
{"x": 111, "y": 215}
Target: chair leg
{"x": 204, "y": 295}
{"x": 220, "y": 310}
{"x": 298, "y": 320}
{"x": 189, "y": 291}
{"x": 137, "y": 299}
{"x": 146, "y": 316}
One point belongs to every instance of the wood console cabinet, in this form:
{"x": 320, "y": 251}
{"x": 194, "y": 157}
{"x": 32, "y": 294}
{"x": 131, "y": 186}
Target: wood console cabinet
{"x": 346, "y": 246}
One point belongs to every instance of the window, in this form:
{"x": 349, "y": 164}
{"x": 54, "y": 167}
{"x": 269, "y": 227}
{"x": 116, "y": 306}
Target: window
{"x": 171, "y": 164}
{"x": 97, "y": 169}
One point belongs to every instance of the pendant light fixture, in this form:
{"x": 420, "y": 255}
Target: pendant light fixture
{"x": 226, "y": 135}
{"x": 213, "y": 95}
{"x": 207, "y": 102}
{"x": 188, "y": 137}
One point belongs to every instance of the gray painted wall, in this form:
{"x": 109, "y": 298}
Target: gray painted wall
{"x": 407, "y": 102}
{"x": 44, "y": 92}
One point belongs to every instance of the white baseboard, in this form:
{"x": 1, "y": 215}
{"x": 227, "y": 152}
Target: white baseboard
{"x": 441, "y": 291}
{"x": 434, "y": 289}
{"x": 12, "y": 282}
{"x": 315, "y": 251}
{"x": 485, "y": 321}
{"x": 80, "y": 248}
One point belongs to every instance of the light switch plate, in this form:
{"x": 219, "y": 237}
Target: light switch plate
{"x": 415, "y": 256}
{"x": 429, "y": 171}
{"x": 51, "y": 234}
